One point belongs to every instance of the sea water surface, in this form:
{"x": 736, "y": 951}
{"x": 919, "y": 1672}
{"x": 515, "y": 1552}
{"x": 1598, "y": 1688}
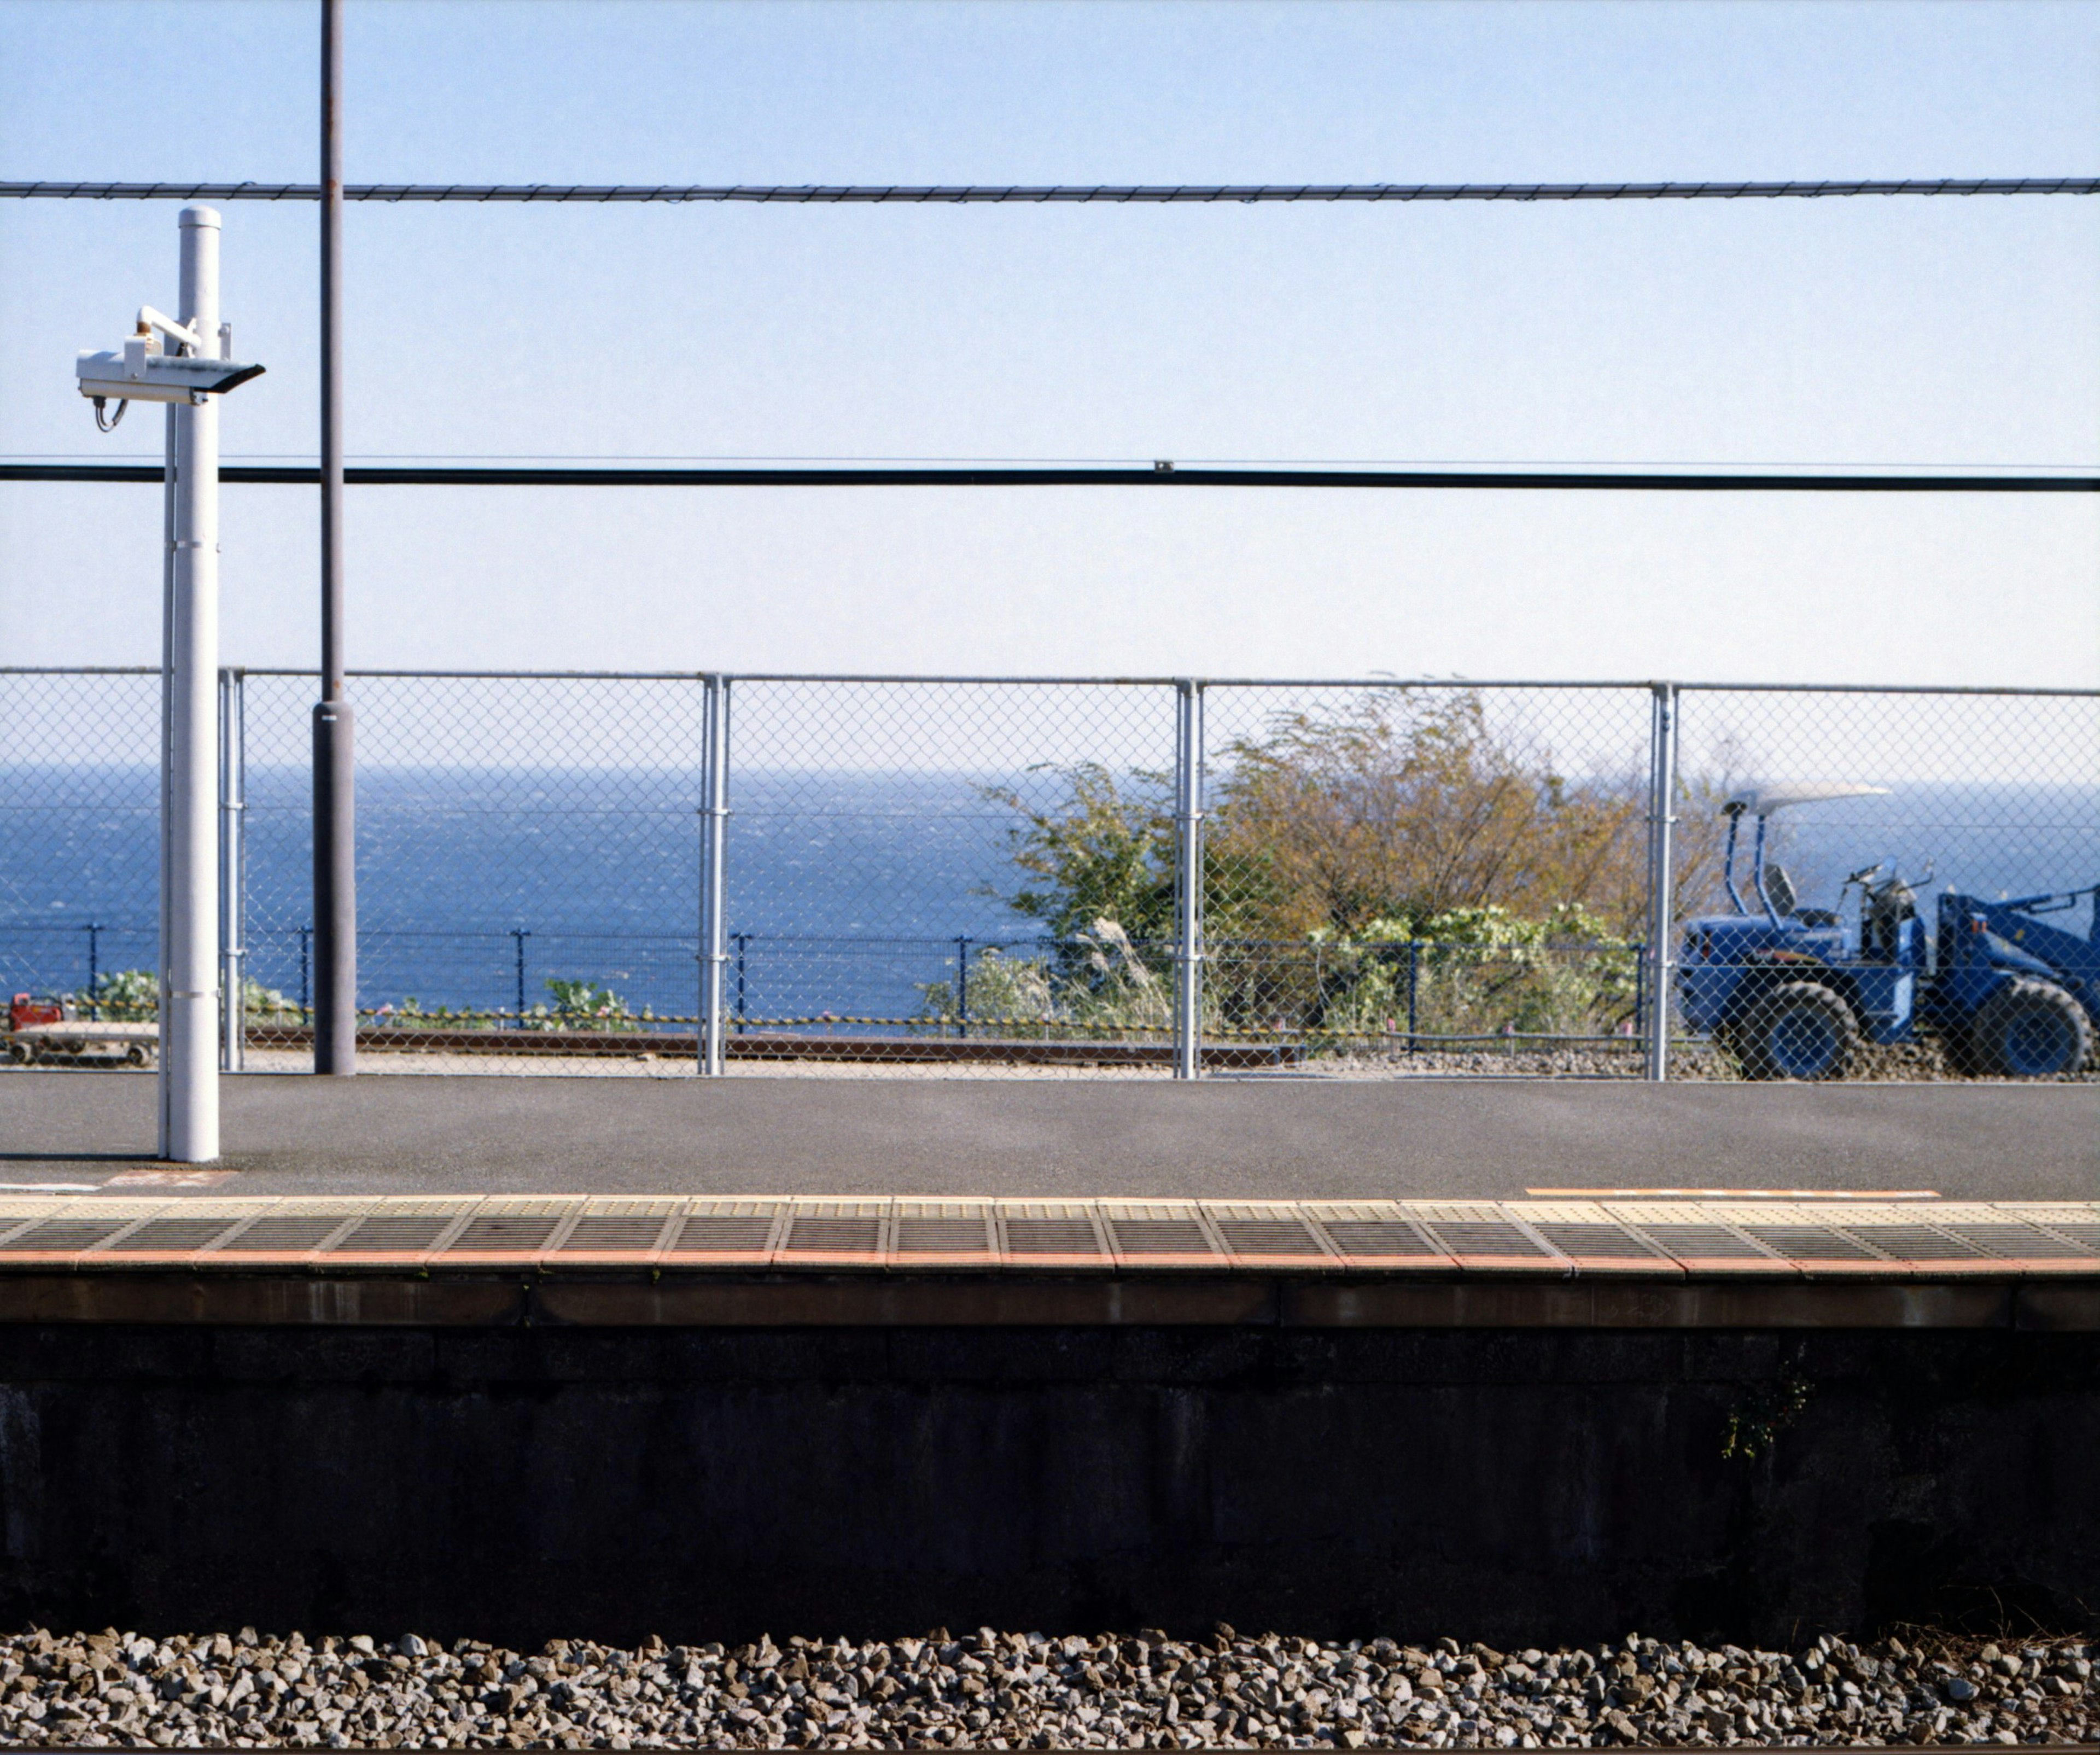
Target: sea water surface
{"x": 847, "y": 894}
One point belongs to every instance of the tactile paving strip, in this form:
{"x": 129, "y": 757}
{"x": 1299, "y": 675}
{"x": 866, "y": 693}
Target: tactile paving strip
{"x": 1593, "y": 1241}
{"x": 1543, "y": 1239}
{"x": 1051, "y": 1234}
{"x": 1376, "y": 1236}
{"x": 174, "y": 1236}
{"x": 284, "y": 1234}
{"x": 1697, "y": 1235}
{"x": 834, "y": 1234}
{"x": 1161, "y": 1234}
{"x": 401, "y": 1233}
{"x": 507, "y": 1233}
{"x": 1486, "y": 1237}
{"x": 726, "y": 1234}
{"x": 2076, "y": 1225}
{"x": 60, "y": 1239}
{"x": 1961, "y": 1238}
{"x": 1270, "y": 1234}
{"x": 615, "y": 1233}
{"x": 943, "y": 1234}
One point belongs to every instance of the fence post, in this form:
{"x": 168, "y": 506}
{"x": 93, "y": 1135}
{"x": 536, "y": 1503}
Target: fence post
{"x": 1663, "y": 800}
{"x": 163, "y": 930}
{"x": 94, "y": 932}
{"x": 963, "y": 987}
{"x": 519, "y": 935}
{"x": 1189, "y": 880}
{"x": 714, "y": 838}
{"x": 232, "y": 863}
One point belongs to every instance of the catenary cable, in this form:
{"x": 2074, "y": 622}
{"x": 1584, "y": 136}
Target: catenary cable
{"x": 1023, "y": 195}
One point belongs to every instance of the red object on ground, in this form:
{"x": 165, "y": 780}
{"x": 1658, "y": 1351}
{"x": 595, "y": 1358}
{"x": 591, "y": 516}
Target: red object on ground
{"x": 31, "y": 1009}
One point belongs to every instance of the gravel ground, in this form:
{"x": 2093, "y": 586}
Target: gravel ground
{"x": 1023, "y": 1691}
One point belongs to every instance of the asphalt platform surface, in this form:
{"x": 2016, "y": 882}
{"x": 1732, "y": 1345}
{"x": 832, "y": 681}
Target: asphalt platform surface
{"x": 1221, "y": 1138}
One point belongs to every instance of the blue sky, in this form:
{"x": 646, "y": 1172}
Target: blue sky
{"x": 1932, "y": 332}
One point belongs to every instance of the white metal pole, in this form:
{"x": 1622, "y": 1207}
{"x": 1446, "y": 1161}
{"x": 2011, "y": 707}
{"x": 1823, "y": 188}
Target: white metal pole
{"x": 1662, "y": 925}
{"x": 714, "y": 842}
{"x": 189, "y": 1030}
{"x": 1188, "y": 889}
{"x": 233, "y": 856}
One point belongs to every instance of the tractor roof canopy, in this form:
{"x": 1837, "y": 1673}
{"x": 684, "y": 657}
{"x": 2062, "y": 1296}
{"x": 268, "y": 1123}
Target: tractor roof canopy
{"x": 1763, "y": 800}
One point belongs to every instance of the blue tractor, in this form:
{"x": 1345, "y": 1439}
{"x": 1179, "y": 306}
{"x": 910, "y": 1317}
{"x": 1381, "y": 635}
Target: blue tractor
{"x": 1792, "y": 992}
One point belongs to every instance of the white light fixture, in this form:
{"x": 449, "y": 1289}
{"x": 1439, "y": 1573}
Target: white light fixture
{"x": 142, "y": 370}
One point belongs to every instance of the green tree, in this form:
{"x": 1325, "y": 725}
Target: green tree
{"x": 1108, "y": 855}
{"x": 1333, "y": 840}
{"x": 1407, "y": 806}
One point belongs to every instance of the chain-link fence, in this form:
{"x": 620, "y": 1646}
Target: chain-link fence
{"x": 80, "y": 844}
{"x": 1888, "y": 883}
{"x": 667, "y": 873}
{"x": 1428, "y": 877}
{"x": 527, "y": 861}
{"x": 903, "y": 873}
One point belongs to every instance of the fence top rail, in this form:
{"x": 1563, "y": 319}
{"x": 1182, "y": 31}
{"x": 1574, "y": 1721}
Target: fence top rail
{"x": 902, "y": 678}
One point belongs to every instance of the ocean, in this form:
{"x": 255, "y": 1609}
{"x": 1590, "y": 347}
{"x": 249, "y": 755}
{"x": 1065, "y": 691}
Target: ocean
{"x": 847, "y": 893}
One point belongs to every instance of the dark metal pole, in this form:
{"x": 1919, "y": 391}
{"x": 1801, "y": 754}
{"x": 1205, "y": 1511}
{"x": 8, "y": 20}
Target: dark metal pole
{"x": 742, "y": 939}
{"x": 518, "y": 934}
{"x": 335, "y": 798}
{"x": 962, "y": 985}
{"x": 94, "y": 972}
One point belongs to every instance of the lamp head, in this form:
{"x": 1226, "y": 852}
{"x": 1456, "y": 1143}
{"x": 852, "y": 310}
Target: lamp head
{"x": 139, "y": 372}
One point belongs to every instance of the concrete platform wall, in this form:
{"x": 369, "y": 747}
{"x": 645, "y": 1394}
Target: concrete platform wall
{"x": 1517, "y": 1485}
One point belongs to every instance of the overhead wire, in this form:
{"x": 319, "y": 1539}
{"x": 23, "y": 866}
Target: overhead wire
{"x": 1026, "y": 194}
{"x": 400, "y": 475}
{"x": 959, "y": 472}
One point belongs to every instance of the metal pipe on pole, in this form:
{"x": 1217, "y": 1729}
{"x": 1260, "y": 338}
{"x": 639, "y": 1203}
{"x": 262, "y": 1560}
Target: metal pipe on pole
{"x": 335, "y": 729}
{"x": 232, "y": 859}
{"x": 1662, "y": 925}
{"x": 1189, "y": 880}
{"x": 189, "y": 903}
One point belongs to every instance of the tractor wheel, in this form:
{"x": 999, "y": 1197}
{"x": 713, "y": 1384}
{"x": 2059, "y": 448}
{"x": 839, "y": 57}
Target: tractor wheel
{"x": 2029, "y": 1029}
{"x": 1800, "y": 1029}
